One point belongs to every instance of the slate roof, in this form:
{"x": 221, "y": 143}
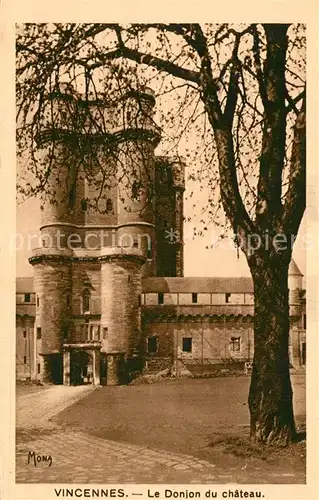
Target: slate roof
{"x": 197, "y": 285}
{"x": 205, "y": 285}
{"x": 294, "y": 269}
{"x": 24, "y": 285}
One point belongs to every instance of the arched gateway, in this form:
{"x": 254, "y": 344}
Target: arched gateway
{"x": 81, "y": 363}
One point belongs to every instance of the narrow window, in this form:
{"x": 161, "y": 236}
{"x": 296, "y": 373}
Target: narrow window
{"x": 109, "y": 205}
{"x": 72, "y": 196}
{"x": 27, "y": 297}
{"x": 91, "y": 333}
{"x": 82, "y": 333}
{"x": 98, "y": 335}
{"x": 24, "y": 360}
{"x": 187, "y": 344}
{"x": 38, "y": 301}
{"x": 86, "y": 300}
{"x": 136, "y": 188}
{"x": 105, "y": 332}
{"x": 86, "y": 330}
{"x": 44, "y": 243}
{"x": 161, "y": 298}
{"x": 83, "y": 205}
{"x": 65, "y": 332}
{"x": 303, "y": 353}
{"x": 170, "y": 179}
{"x": 135, "y": 242}
{"x": 39, "y": 368}
{"x": 304, "y": 321}
{"x": 227, "y": 298}
{"x": 194, "y": 298}
{"x": 235, "y": 344}
{"x": 38, "y": 332}
{"x": 24, "y": 334}
{"x": 152, "y": 344}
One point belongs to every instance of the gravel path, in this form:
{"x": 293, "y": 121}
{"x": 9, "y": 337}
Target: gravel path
{"x": 35, "y": 410}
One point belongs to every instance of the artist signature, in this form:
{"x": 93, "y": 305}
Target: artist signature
{"x": 36, "y": 459}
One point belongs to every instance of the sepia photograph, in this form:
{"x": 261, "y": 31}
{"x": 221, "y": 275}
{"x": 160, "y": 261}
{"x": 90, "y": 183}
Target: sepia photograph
{"x": 160, "y": 247}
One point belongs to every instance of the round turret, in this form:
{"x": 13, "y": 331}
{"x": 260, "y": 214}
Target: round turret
{"x": 294, "y": 276}
{"x": 56, "y": 139}
{"x": 53, "y": 287}
{"x": 137, "y": 140}
{"x": 294, "y": 284}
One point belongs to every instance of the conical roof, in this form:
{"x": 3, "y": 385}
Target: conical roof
{"x": 294, "y": 269}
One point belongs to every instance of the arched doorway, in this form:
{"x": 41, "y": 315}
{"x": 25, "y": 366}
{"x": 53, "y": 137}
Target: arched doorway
{"x": 81, "y": 363}
{"x": 81, "y": 367}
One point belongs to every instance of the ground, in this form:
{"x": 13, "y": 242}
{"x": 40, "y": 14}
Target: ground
{"x": 24, "y": 388}
{"x": 179, "y": 431}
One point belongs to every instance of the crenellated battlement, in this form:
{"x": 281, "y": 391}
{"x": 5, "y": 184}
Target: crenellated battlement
{"x": 68, "y": 115}
{"x": 171, "y": 170}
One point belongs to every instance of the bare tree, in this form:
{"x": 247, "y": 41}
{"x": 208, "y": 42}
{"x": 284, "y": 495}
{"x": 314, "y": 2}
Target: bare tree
{"x": 241, "y": 91}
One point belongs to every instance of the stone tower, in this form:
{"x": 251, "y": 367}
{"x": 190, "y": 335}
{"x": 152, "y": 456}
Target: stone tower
{"x": 170, "y": 186}
{"x": 99, "y": 240}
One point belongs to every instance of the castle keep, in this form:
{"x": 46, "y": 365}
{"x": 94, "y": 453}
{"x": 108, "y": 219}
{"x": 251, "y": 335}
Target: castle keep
{"x": 108, "y": 298}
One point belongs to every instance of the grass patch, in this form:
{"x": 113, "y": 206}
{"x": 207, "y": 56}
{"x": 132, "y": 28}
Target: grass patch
{"x": 243, "y": 447}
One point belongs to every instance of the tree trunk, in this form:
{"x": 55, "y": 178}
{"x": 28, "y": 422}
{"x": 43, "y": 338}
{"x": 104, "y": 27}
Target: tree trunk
{"x": 270, "y": 395}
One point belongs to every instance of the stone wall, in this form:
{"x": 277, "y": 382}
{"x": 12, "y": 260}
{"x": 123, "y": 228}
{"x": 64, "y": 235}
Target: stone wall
{"x": 213, "y": 341}
{"x": 24, "y": 347}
